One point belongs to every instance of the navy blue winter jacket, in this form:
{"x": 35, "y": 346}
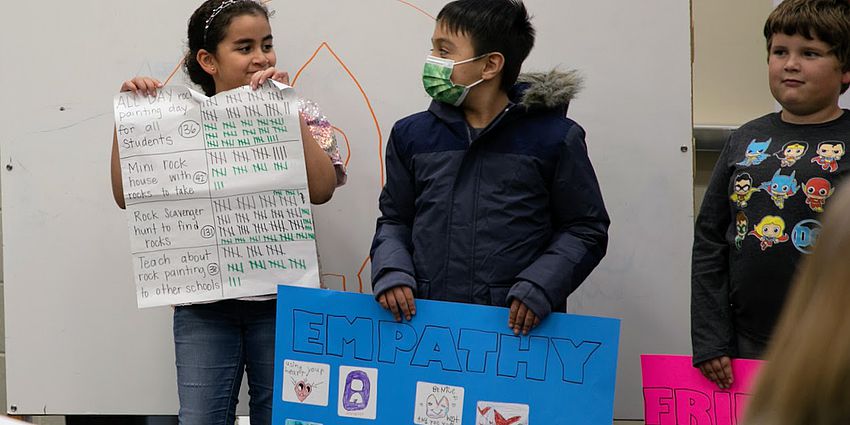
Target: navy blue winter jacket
{"x": 513, "y": 213}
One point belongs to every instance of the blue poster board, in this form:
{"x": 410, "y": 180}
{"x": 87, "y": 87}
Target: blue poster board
{"x": 341, "y": 359}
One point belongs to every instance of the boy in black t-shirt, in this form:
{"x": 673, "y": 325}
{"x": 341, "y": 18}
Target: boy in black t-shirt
{"x": 773, "y": 178}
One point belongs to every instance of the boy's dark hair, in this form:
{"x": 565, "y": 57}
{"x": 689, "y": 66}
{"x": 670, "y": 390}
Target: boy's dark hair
{"x": 744, "y": 176}
{"x": 828, "y": 20}
{"x": 207, "y": 38}
{"x": 493, "y": 26}
{"x": 832, "y": 143}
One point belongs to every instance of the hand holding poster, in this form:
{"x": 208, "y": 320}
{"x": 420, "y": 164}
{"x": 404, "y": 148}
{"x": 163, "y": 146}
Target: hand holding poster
{"x": 216, "y": 193}
{"x": 340, "y": 358}
{"x": 675, "y": 392}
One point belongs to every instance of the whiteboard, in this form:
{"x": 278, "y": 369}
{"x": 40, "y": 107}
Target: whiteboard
{"x": 76, "y": 342}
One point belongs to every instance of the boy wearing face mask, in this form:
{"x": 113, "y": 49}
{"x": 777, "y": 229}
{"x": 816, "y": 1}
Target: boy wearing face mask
{"x": 490, "y": 195}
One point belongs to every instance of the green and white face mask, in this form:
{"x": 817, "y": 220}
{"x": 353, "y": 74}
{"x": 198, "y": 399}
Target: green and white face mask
{"x": 437, "y": 79}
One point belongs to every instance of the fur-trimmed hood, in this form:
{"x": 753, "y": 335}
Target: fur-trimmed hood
{"x": 548, "y": 90}
{"x": 534, "y": 92}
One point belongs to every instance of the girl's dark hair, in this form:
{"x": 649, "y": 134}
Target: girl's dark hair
{"x": 213, "y": 35}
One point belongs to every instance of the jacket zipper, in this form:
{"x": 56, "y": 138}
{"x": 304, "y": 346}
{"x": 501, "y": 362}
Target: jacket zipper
{"x": 477, "y": 177}
{"x": 476, "y": 185}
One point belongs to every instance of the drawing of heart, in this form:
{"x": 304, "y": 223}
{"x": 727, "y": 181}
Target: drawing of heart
{"x": 303, "y": 390}
{"x": 437, "y": 409}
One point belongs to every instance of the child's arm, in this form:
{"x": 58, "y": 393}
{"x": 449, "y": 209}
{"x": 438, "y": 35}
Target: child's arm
{"x": 115, "y": 171}
{"x": 393, "y": 276}
{"x": 580, "y": 233}
{"x": 712, "y": 332}
{"x": 321, "y": 175}
{"x": 141, "y": 86}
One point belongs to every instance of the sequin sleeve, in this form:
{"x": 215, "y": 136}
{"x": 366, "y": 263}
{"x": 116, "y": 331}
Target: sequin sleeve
{"x": 325, "y": 136}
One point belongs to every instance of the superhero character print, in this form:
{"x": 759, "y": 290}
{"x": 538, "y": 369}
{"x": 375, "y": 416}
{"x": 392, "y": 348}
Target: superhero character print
{"x": 791, "y": 152}
{"x": 817, "y": 190}
{"x": 741, "y": 225}
{"x": 770, "y": 231}
{"x": 743, "y": 190}
{"x": 781, "y": 187}
{"x": 828, "y": 155}
{"x": 756, "y": 153}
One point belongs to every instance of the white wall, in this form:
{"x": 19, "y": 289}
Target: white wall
{"x": 76, "y": 343}
{"x": 730, "y": 61}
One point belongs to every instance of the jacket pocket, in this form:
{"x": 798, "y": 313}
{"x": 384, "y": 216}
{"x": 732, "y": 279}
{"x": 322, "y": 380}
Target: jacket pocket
{"x": 499, "y": 295}
{"x": 423, "y": 288}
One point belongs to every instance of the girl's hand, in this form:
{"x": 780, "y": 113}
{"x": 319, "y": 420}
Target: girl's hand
{"x": 260, "y": 77}
{"x": 141, "y": 86}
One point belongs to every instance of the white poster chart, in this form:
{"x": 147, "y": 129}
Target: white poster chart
{"x": 216, "y": 193}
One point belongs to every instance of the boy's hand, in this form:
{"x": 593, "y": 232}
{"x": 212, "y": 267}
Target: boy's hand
{"x": 718, "y": 370}
{"x": 399, "y": 300}
{"x": 522, "y": 318}
{"x": 141, "y": 86}
{"x": 260, "y": 77}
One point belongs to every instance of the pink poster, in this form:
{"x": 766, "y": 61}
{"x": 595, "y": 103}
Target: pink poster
{"x": 676, "y": 393}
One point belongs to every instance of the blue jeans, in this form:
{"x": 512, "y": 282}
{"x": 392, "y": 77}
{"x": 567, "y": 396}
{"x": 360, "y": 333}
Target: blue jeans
{"x": 214, "y": 345}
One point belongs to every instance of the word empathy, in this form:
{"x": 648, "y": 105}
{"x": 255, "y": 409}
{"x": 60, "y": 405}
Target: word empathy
{"x": 452, "y": 364}
{"x": 470, "y": 351}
